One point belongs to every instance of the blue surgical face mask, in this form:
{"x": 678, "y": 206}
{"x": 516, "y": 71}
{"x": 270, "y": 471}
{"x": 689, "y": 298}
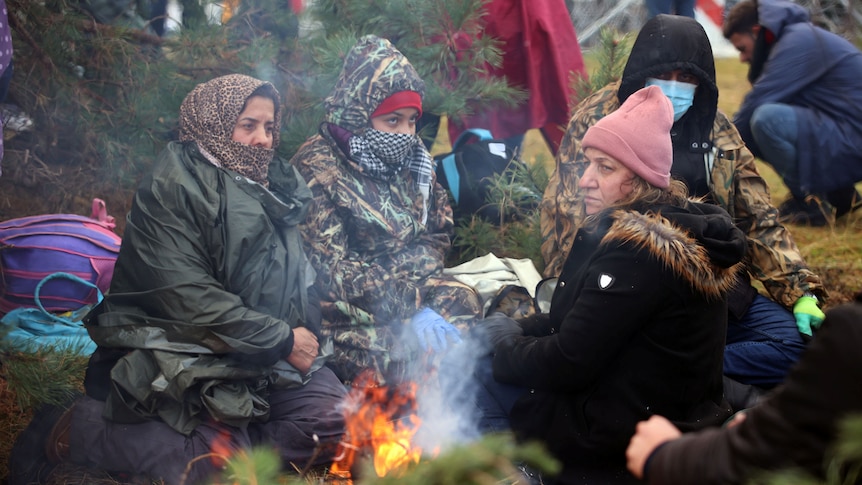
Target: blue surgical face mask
{"x": 681, "y": 95}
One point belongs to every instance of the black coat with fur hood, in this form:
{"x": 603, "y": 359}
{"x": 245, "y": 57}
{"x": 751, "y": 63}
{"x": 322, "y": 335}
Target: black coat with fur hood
{"x": 636, "y": 327}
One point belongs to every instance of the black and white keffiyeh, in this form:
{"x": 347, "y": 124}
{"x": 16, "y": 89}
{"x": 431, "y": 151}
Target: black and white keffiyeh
{"x": 383, "y": 155}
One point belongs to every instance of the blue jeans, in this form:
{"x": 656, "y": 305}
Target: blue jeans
{"x": 762, "y": 346}
{"x": 493, "y": 399}
{"x": 774, "y": 129}
{"x": 677, "y": 7}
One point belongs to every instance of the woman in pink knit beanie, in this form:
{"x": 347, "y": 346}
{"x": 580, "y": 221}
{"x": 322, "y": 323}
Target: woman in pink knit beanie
{"x": 633, "y": 141}
{"x": 637, "y": 321}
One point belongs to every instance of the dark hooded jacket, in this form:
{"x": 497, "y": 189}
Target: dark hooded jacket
{"x": 692, "y": 134}
{"x": 820, "y": 74}
{"x": 377, "y": 261}
{"x": 636, "y": 327}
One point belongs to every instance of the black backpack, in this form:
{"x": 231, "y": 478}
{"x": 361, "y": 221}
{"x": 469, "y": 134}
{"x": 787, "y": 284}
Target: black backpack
{"x": 468, "y": 172}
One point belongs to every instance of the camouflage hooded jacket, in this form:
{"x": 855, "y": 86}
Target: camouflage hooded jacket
{"x": 734, "y": 184}
{"x": 377, "y": 263}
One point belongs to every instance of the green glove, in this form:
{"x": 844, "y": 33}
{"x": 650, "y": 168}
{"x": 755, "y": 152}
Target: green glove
{"x": 808, "y": 315}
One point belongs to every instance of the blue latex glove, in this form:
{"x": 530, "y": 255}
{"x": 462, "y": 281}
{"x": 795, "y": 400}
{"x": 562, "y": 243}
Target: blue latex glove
{"x": 432, "y": 329}
{"x": 808, "y": 315}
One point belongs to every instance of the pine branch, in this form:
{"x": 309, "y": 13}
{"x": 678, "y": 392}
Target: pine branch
{"x": 612, "y": 53}
{"x": 19, "y": 29}
{"x": 91, "y": 26}
{"x": 47, "y": 376}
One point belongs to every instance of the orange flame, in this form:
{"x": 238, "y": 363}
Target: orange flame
{"x": 221, "y": 449}
{"x": 381, "y": 421}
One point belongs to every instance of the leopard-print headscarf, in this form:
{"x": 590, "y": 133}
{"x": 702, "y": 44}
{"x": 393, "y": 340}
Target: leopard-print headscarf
{"x": 208, "y": 116}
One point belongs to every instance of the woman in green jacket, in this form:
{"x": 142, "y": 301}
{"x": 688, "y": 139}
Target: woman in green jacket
{"x": 207, "y": 334}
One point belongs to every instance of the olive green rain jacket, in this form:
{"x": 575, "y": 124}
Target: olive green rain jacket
{"x": 210, "y": 280}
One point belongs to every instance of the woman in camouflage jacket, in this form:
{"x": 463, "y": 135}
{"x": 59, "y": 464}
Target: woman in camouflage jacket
{"x": 379, "y": 225}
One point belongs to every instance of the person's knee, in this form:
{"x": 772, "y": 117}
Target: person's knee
{"x": 773, "y": 123}
{"x": 761, "y": 124}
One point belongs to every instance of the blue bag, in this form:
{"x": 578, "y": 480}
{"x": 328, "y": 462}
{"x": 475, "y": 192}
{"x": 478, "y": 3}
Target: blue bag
{"x": 33, "y": 329}
{"x": 467, "y": 172}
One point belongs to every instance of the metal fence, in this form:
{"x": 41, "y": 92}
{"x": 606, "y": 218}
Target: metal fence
{"x": 590, "y": 16}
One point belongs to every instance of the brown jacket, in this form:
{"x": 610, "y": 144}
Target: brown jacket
{"x": 793, "y": 428}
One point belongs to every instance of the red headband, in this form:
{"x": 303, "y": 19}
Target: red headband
{"x": 401, "y": 99}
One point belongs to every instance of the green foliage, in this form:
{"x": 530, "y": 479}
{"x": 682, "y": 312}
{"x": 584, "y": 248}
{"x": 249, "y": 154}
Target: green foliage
{"x": 48, "y": 376}
{"x": 473, "y": 238}
{"x": 539, "y": 176}
{"x": 517, "y": 239}
{"x": 513, "y": 192}
{"x": 105, "y": 98}
{"x": 526, "y": 235}
{"x": 516, "y": 193}
{"x": 610, "y": 53}
{"x": 258, "y": 466}
{"x": 846, "y": 465}
{"x": 489, "y": 460}
{"x": 843, "y": 460}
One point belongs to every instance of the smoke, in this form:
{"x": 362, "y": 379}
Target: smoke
{"x": 440, "y": 389}
{"x": 446, "y": 396}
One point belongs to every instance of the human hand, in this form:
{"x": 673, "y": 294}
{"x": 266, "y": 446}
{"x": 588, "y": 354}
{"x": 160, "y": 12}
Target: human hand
{"x": 432, "y": 329}
{"x": 808, "y": 315}
{"x": 736, "y": 419}
{"x": 648, "y": 436}
{"x": 499, "y": 328}
{"x": 305, "y": 348}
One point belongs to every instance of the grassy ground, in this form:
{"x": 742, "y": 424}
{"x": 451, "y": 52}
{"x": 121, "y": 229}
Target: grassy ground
{"x": 835, "y": 252}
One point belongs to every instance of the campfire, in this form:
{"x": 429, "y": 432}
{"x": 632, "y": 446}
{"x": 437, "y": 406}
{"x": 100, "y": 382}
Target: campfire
{"x": 381, "y": 423}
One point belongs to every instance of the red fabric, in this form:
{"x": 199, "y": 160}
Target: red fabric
{"x": 296, "y": 6}
{"x": 712, "y": 10}
{"x": 540, "y": 49}
{"x": 401, "y": 99}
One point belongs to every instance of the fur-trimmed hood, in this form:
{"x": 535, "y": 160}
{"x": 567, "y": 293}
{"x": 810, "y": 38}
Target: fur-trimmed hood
{"x": 699, "y": 242}
{"x": 637, "y": 326}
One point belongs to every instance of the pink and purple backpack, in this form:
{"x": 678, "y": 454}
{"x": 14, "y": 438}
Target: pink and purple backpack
{"x": 32, "y": 248}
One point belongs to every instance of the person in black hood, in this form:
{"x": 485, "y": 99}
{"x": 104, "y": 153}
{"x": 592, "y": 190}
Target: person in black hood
{"x": 765, "y": 335}
{"x": 686, "y": 75}
{"x": 637, "y": 321}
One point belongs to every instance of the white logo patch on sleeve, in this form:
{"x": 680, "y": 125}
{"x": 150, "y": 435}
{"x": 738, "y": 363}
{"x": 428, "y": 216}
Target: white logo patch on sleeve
{"x": 605, "y": 281}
